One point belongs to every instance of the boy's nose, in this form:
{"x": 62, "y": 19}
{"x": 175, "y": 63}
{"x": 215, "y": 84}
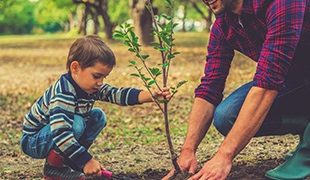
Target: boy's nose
{"x": 99, "y": 83}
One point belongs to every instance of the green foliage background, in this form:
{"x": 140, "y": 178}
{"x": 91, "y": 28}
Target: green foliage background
{"x": 49, "y": 16}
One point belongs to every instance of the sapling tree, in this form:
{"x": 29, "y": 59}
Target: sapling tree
{"x": 163, "y": 26}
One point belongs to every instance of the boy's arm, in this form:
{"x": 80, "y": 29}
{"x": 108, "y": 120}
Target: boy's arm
{"x": 144, "y": 97}
{"x": 61, "y": 111}
{"x": 120, "y": 96}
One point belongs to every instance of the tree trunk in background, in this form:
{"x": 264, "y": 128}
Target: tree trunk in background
{"x": 70, "y": 23}
{"x": 83, "y": 21}
{"x": 94, "y": 16}
{"x": 102, "y": 9}
{"x": 207, "y": 17}
{"x": 142, "y": 21}
{"x": 184, "y": 17}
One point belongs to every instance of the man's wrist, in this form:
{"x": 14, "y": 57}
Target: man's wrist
{"x": 225, "y": 154}
{"x": 188, "y": 149}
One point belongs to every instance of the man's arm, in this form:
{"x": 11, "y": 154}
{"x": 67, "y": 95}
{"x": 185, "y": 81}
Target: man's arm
{"x": 249, "y": 120}
{"x": 198, "y": 124}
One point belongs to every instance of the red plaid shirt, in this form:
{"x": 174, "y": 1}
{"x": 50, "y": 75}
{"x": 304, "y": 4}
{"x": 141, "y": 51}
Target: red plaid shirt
{"x": 267, "y": 31}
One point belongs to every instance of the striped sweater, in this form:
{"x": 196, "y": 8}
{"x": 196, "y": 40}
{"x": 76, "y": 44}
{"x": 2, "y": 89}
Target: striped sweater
{"x": 58, "y": 105}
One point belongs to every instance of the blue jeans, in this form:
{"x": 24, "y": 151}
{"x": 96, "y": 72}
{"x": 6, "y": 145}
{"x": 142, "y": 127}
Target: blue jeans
{"x": 292, "y": 102}
{"x": 38, "y": 145}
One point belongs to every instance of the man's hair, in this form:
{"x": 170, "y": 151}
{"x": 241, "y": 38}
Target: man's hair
{"x": 89, "y": 50}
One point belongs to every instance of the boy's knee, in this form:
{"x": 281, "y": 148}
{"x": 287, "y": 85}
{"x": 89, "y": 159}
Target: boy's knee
{"x": 223, "y": 119}
{"x": 99, "y": 117}
{"x": 78, "y": 126}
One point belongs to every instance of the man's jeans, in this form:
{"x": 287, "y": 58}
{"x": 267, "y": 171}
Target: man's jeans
{"x": 38, "y": 145}
{"x": 293, "y": 102}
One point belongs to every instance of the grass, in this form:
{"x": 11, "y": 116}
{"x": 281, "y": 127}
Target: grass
{"x": 134, "y": 139}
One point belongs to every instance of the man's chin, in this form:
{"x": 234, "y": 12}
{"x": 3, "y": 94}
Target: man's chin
{"x": 218, "y": 10}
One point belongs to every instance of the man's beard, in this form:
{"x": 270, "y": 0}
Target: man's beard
{"x": 228, "y": 4}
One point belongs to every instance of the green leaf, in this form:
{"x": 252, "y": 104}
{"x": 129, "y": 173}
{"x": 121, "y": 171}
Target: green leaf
{"x": 131, "y": 49}
{"x": 164, "y": 49}
{"x": 155, "y": 71}
{"x": 170, "y": 56}
{"x": 133, "y": 62}
{"x": 135, "y": 75}
{"x": 144, "y": 57}
{"x": 118, "y": 36}
{"x": 181, "y": 83}
{"x": 151, "y": 82}
{"x": 166, "y": 64}
{"x": 174, "y": 91}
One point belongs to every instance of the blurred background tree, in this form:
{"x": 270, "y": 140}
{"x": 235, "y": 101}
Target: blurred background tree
{"x": 95, "y": 16}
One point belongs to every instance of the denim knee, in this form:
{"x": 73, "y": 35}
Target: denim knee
{"x": 223, "y": 119}
{"x": 98, "y": 118}
{"x": 78, "y": 126}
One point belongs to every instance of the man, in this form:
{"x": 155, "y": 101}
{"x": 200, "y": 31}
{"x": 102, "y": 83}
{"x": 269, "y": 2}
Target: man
{"x": 275, "y": 34}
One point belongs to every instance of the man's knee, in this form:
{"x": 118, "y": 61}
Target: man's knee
{"x": 223, "y": 119}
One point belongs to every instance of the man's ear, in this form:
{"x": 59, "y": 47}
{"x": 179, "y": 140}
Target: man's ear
{"x": 75, "y": 67}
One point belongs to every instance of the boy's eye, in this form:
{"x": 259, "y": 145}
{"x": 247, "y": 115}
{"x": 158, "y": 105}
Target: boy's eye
{"x": 96, "y": 76}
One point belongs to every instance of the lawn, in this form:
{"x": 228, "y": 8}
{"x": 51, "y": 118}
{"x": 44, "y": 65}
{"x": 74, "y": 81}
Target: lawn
{"x": 133, "y": 143}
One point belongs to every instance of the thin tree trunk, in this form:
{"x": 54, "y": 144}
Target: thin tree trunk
{"x": 208, "y": 17}
{"x": 142, "y": 21}
{"x": 102, "y": 9}
{"x": 83, "y": 21}
{"x": 184, "y": 17}
{"x": 94, "y": 16}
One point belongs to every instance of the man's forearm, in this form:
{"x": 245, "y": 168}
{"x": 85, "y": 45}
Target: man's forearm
{"x": 249, "y": 120}
{"x": 199, "y": 123}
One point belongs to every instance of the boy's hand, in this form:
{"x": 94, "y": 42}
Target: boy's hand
{"x": 145, "y": 96}
{"x": 92, "y": 167}
{"x": 164, "y": 94}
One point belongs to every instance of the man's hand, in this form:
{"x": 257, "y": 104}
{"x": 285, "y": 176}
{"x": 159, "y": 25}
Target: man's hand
{"x": 216, "y": 168}
{"x": 187, "y": 162}
{"x": 92, "y": 167}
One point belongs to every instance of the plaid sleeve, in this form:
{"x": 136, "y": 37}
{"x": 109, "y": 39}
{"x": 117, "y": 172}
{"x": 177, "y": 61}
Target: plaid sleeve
{"x": 284, "y": 19}
{"x": 217, "y": 66}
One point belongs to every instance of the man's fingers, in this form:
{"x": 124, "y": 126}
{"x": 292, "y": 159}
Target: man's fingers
{"x": 192, "y": 169}
{"x": 196, "y": 176}
{"x": 168, "y": 175}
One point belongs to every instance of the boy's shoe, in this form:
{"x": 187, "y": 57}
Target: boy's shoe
{"x": 61, "y": 173}
{"x": 54, "y": 168}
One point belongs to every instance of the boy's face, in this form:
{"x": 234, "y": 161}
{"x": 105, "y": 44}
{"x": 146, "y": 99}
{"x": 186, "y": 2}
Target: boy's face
{"x": 90, "y": 78}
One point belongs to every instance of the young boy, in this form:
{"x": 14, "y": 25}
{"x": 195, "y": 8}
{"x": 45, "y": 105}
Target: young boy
{"x": 62, "y": 124}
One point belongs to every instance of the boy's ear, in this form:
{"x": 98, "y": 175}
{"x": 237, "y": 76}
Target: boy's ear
{"x": 75, "y": 67}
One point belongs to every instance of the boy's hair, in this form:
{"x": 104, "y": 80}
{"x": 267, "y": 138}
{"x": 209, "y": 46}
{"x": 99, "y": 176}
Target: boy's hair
{"x": 89, "y": 50}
